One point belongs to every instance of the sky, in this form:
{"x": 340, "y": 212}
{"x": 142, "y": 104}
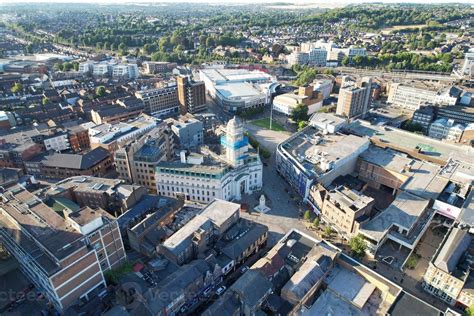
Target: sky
{"x": 313, "y": 2}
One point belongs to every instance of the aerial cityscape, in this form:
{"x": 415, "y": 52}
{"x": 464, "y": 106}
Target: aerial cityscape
{"x": 236, "y": 158}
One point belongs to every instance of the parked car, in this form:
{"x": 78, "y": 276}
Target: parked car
{"x": 243, "y": 269}
{"x": 221, "y": 290}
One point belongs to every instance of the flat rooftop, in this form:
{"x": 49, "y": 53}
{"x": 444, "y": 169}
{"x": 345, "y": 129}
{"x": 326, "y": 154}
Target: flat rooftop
{"x": 41, "y": 222}
{"x": 217, "y": 212}
{"x": 406, "y": 141}
{"x": 239, "y": 90}
{"x": 235, "y": 75}
{"x": 350, "y": 199}
{"x": 404, "y": 212}
{"x": 420, "y": 177}
{"x": 316, "y": 151}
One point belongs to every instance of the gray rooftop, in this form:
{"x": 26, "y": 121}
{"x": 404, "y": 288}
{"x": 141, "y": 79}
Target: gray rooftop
{"x": 404, "y": 212}
{"x": 76, "y": 161}
{"x": 217, "y": 213}
{"x": 455, "y": 245}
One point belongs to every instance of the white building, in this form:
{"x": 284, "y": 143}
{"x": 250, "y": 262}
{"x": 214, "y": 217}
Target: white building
{"x": 102, "y": 69}
{"x": 324, "y": 86}
{"x": 411, "y": 97}
{"x": 298, "y": 58}
{"x": 129, "y": 71}
{"x": 356, "y": 51}
{"x": 468, "y": 65}
{"x": 57, "y": 142}
{"x": 207, "y": 176}
{"x": 86, "y": 67}
{"x": 237, "y": 89}
{"x": 446, "y": 129}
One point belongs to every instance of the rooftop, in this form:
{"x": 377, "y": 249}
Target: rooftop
{"x": 45, "y": 227}
{"x": 317, "y": 152}
{"x": 234, "y": 75}
{"x": 239, "y": 90}
{"x": 409, "y": 142}
{"x": 404, "y": 212}
{"x": 217, "y": 212}
{"x": 76, "y": 161}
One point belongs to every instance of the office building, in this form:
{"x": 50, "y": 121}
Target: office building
{"x": 286, "y": 103}
{"x": 189, "y": 132}
{"x": 191, "y": 95}
{"x": 114, "y": 136}
{"x": 468, "y": 65}
{"x": 327, "y": 122}
{"x": 208, "y": 176}
{"x": 448, "y": 272}
{"x": 136, "y": 162}
{"x": 193, "y": 238}
{"x": 57, "y": 142}
{"x": 412, "y": 95}
{"x": 160, "y": 102}
{"x": 317, "y": 57}
{"x": 354, "y": 98}
{"x": 298, "y": 58}
{"x": 65, "y": 258}
{"x": 445, "y": 129}
{"x": 96, "y": 162}
{"x": 345, "y": 210}
{"x": 313, "y": 156}
{"x": 423, "y": 116}
{"x": 460, "y": 114}
{"x": 324, "y": 86}
{"x": 86, "y": 67}
{"x": 158, "y": 67}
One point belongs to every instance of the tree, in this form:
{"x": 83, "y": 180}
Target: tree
{"x": 307, "y": 215}
{"x": 45, "y": 100}
{"x": 300, "y": 113}
{"x": 357, "y": 245}
{"x": 470, "y": 310}
{"x": 17, "y": 87}
{"x": 316, "y": 222}
{"x": 302, "y": 124}
{"x": 328, "y": 231}
{"x": 100, "y": 91}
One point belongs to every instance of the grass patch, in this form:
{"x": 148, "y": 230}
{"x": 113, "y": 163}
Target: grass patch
{"x": 412, "y": 261}
{"x": 113, "y": 276}
{"x": 265, "y": 123}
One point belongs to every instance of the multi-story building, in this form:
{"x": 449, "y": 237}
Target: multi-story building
{"x": 317, "y": 56}
{"x": 103, "y": 69}
{"x": 112, "y": 195}
{"x": 188, "y": 131}
{"x": 96, "y": 162}
{"x": 298, "y": 58}
{"x": 468, "y": 65}
{"x": 346, "y": 209}
{"x": 208, "y": 176}
{"x": 423, "y": 116}
{"x": 194, "y": 237}
{"x": 57, "y": 142}
{"x": 286, "y": 103}
{"x": 313, "y": 156}
{"x": 65, "y": 258}
{"x": 460, "y": 114}
{"x": 86, "y": 67}
{"x": 115, "y": 136}
{"x": 137, "y": 161}
{"x": 191, "y": 95}
{"x": 127, "y": 71}
{"x": 446, "y": 129}
{"x": 412, "y": 96}
{"x": 449, "y": 270}
{"x": 17, "y": 148}
{"x": 78, "y": 137}
{"x": 324, "y": 86}
{"x": 160, "y": 102}
{"x": 354, "y": 99}
{"x": 155, "y": 67}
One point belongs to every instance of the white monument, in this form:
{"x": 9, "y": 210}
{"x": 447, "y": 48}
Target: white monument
{"x": 261, "y": 207}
